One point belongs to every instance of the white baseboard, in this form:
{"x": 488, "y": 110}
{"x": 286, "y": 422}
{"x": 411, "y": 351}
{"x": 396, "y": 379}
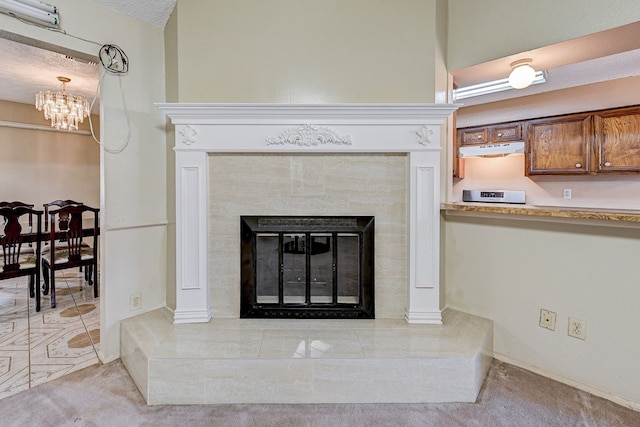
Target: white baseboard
{"x": 568, "y": 381}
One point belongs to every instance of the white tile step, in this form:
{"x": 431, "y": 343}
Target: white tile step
{"x": 306, "y": 361}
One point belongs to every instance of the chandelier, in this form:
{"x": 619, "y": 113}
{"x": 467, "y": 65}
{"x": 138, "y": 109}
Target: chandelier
{"x": 64, "y": 110}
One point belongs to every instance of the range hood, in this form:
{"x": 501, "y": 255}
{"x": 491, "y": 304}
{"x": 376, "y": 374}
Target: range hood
{"x": 503, "y": 149}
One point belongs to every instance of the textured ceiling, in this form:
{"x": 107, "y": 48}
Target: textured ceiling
{"x": 154, "y": 12}
{"x": 25, "y": 70}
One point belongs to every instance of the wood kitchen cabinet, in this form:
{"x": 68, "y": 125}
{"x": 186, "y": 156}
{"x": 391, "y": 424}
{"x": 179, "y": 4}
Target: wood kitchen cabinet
{"x": 617, "y": 140}
{"x": 559, "y": 145}
{"x": 590, "y": 143}
{"x": 493, "y": 134}
{"x": 490, "y": 134}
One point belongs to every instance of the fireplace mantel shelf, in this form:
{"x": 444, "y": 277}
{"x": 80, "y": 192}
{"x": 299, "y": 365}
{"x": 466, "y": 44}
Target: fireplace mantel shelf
{"x": 210, "y": 113}
{"x": 325, "y": 128}
{"x": 201, "y": 129}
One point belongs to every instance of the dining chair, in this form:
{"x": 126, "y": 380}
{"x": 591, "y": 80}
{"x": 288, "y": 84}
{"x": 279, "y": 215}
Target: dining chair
{"x": 62, "y": 227}
{"x": 20, "y": 247}
{"x": 66, "y": 224}
{"x": 26, "y": 248}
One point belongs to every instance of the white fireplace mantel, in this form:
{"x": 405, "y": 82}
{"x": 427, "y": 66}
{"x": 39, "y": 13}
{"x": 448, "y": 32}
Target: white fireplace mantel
{"x": 414, "y": 129}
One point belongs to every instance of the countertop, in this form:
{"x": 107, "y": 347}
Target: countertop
{"x": 609, "y": 217}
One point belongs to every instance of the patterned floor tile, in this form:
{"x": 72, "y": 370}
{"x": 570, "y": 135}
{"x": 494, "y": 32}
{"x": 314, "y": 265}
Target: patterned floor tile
{"x": 12, "y": 360}
{"x": 36, "y": 347}
{"x": 16, "y": 383}
{"x": 70, "y": 345}
{"x": 42, "y": 373}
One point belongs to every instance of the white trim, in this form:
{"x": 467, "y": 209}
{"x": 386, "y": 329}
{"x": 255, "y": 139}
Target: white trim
{"x": 184, "y": 113}
{"x": 191, "y": 316}
{"x": 31, "y": 126}
{"x": 136, "y": 226}
{"x": 297, "y": 128}
{"x": 423, "y": 317}
{"x": 568, "y": 381}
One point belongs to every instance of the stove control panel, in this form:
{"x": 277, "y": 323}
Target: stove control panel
{"x": 493, "y": 196}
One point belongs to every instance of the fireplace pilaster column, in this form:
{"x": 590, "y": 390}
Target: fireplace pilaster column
{"x": 423, "y": 305}
{"x": 192, "y": 287}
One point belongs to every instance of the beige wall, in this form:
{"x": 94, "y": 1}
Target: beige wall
{"x": 40, "y": 166}
{"x": 133, "y": 182}
{"x": 171, "y": 87}
{"x": 508, "y": 270}
{"x": 480, "y": 31}
{"x": 307, "y": 51}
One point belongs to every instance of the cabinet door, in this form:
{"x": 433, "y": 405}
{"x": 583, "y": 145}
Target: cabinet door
{"x": 617, "y": 137}
{"x": 471, "y": 136}
{"x": 559, "y": 146}
{"x": 505, "y": 133}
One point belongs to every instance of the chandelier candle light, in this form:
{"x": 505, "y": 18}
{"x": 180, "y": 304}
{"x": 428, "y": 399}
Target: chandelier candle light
{"x": 64, "y": 110}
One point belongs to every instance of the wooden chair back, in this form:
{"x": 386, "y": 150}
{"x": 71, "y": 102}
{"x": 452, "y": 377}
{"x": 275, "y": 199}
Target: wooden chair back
{"x": 17, "y": 204}
{"x": 67, "y": 247}
{"x": 59, "y": 204}
{"x": 17, "y": 258}
{"x": 67, "y": 222}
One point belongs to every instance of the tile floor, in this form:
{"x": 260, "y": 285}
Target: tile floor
{"x": 38, "y": 347}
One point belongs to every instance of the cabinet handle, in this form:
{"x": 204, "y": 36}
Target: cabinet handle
{"x": 500, "y": 134}
{"x": 607, "y": 164}
{"x": 578, "y": 165}
{"x": 479, "y": 137}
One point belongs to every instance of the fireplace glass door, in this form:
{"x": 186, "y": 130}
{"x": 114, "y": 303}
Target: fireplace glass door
{"x": 307, "y": 267}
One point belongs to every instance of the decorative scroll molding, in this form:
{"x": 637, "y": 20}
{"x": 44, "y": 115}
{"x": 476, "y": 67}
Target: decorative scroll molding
{"x": 424, "y": 135}
{"x": 188, "y": 135}
{"x": 309, "y": 136}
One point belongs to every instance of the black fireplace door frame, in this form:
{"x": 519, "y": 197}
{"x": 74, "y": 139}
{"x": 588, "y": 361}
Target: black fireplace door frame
{"x": 303, "y": 227}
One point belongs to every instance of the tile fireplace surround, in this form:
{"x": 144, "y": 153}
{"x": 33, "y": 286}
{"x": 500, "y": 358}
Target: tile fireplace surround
{"x": 198, "y": 359}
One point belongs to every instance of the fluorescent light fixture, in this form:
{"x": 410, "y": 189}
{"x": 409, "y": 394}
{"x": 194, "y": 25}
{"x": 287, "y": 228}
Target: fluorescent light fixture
{"x": 491, "y": 87}
{"x": 33, "y": 11}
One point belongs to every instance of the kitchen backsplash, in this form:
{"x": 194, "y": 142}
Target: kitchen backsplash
{"x": 507, "y": 173}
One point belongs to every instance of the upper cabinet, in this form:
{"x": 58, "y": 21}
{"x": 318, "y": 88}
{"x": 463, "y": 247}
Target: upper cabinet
{"x": 504, "y": 132}
{"x": 490, "y": 134}
{"x": 558, "y": 146}
{"x": 617, "y": 140}
{"x": 593, "y": 143}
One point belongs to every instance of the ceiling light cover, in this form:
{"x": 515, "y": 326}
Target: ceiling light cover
{"x": 64, "y": 110}
{"x": 522, "y": 74}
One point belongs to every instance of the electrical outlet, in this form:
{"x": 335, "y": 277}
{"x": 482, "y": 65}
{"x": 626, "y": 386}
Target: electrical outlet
{"x": 547, "y": 319}
{"x": 566, "y": 193}
{"x": 577, "y": 328}
{"x": 135, "y": 301}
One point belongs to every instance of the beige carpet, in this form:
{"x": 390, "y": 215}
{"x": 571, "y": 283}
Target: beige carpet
{"x": 106, "y": 396}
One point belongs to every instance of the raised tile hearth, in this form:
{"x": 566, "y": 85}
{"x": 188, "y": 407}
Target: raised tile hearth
{"x": 306, "y": 361}
{"x": 374, "y": 160}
